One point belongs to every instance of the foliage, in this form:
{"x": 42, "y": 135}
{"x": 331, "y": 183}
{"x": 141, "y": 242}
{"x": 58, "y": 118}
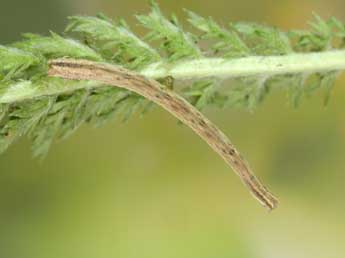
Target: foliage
{"x": 46, "y": 108}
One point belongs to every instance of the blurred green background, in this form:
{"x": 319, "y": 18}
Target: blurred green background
{"x": 150, "y": 188}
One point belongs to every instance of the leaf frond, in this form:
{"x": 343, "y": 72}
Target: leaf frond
{"x": 257, "y": 58}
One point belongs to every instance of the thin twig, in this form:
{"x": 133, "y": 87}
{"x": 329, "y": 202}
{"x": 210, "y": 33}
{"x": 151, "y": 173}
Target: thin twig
{"x": 116, "y": 76}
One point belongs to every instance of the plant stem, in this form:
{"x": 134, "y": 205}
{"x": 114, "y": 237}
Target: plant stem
{"x": 203, "y": 68}
{"x": 249, "y": 66}
{"x": 150, "y": 89}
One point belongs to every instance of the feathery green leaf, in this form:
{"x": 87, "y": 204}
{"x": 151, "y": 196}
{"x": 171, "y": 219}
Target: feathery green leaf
{"x": 258, "y": 59}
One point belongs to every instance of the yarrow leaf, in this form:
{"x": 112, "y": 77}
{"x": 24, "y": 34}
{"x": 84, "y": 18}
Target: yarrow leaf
{"x": 45, "y": 108}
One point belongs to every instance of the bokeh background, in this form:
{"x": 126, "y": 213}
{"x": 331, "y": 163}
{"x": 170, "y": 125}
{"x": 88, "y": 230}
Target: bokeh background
{"x": 150, "y": 188}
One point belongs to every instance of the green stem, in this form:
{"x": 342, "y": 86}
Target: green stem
{"x": 201, "y": 68}
{"x": 250, "y": 66}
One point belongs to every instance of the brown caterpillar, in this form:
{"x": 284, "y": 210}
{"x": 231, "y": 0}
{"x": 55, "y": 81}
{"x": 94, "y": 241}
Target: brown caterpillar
{"x": 116, "y": 76}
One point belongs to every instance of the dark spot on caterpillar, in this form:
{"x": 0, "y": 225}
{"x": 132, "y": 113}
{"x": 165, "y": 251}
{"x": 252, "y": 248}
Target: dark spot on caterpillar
{"x": 167, "y": 97}
{"x": 202, "y": 123}
{"x": 128, "y": 76}
{"x": 232, "y": 152}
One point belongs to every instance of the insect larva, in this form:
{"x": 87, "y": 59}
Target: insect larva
{"x": 163, "y": 96}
